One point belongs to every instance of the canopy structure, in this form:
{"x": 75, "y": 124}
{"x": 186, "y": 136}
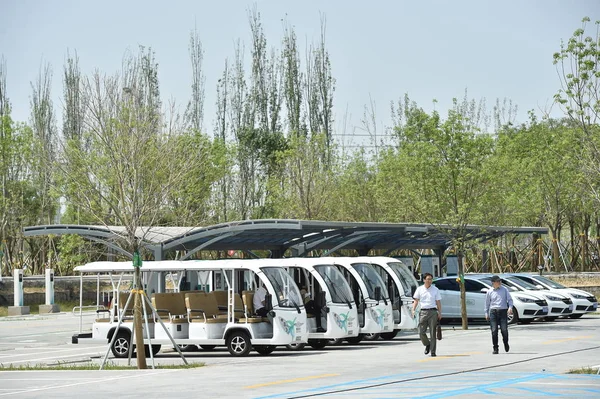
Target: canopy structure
{"x": 280, "y": 235}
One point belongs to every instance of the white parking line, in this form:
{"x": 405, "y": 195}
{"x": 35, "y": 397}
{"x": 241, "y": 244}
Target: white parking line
{"x": 36, "y": 359}
{"x": 11, "y": 337}
{"x": 49, "y": 349}
{"x": 144, "y": 374}
{"x": 52, "y": 358}
{"x": 575, "y": 384}
{"x": 46, "y": 379}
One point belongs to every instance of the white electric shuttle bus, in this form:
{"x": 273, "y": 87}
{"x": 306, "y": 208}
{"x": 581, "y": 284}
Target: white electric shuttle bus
{"x": 370, "y": 293}
{"x": 221, "y": 314}
{"x": 401, "y": 285}
{"x": 335, "y": 312}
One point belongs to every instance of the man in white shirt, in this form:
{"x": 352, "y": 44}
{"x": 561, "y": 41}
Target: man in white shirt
{"x": 431, "y": 312}
{"x": 259, "y": 301}
{"x": 498, "y": 305}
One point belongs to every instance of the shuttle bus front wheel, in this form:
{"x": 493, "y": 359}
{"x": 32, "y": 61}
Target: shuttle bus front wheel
{"x": 388, "y": 336}
{"x": 120, "y": 348}
{"x": 296, "y": 347}
{"x": 239, "y": 343}
{"x": 264, "y": 349}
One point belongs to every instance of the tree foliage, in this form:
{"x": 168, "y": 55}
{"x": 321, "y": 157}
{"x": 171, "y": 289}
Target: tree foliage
{"x": 123, "y": 157}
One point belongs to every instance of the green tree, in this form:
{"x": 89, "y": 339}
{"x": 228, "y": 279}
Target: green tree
{"x": 578, "y": 67}
{"x": 443, "y": 163}
{"x": 134, "y": 165}
{"x": 303, "y": 188}
{"x": 355, "y": 190}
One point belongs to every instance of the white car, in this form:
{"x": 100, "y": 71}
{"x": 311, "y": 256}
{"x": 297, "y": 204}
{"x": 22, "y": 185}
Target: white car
{"x": 558, "y": 304}
{"x": 583, "y": 301}
{"x": 525, "y": 307}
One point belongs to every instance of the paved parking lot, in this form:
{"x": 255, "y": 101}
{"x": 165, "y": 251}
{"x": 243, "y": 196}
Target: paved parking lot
{"x": 540, "y": 355}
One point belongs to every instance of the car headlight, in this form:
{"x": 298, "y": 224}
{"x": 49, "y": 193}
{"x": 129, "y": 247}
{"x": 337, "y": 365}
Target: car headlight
{"x": 523, "y": 299}
{"x": 553, "y": 298}
{"x": 579, "y": 296}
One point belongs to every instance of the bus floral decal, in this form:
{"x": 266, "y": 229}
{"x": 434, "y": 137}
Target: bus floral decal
{"x": 290, "y": 327}
{"x": 343, "y": 320}
{"x": 380, "y": 316}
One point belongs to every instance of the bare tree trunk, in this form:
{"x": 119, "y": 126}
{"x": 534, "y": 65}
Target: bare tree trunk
{"x": 44, "y": 129}
{"x": 555, "y": 249}
{"x": 587, "y": 221}
{"x": 574, "y": 254}
{"x": 4, "y": 116}
{"x": 463, "y": 295}
{"x": 221, "y": 127}
{"x": 137, "y": 314}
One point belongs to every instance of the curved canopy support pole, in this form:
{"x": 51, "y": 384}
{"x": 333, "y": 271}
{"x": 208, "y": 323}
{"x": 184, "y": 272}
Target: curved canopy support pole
{"x": 207, "y": 243}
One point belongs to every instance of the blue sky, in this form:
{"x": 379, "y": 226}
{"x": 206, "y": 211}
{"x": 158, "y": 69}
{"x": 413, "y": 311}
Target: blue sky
{"x": 379, "y": 49}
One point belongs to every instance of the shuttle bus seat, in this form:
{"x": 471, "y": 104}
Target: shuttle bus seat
{"x": 248, "y": 297}
{"x": 221, "y": 298}
{"x": 170, "y": 305}
{"x": 202, "y": 307}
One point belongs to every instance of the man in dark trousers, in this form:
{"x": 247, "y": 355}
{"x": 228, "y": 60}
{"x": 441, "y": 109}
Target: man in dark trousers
{"x": 431, "y": 312}
{"x": 498, "y": 305}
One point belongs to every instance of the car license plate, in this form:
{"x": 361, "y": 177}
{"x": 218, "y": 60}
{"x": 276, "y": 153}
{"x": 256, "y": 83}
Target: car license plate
{"x": 545, "y": 309}
{"x": 571, "y": 307}
{"x": 595, "y": 305}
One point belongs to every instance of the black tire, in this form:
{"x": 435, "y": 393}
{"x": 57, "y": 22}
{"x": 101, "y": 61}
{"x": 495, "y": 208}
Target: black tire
{"x": 296, "y": 347}
{"x": 238, "y": 343}
{"x": 355, "y": 340}
{"x": 208, "y": 347}
{"x": 514, "y": 318}
{"x": 187, "y": 348}
{"x": 388, "y": 336}
{"x": 575, "y": 316}
{"x": 120, "y": 347}
{"x": 371, "y": 337}
{"x": 318, "y": 343}
{"x": 336, "y": 341}
{"x": 264, "y": 349}
{"x": 155, "y": 350}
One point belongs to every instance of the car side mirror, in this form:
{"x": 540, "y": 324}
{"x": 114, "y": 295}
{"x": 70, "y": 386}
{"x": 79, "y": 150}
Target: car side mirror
{"x": 378, "y": 294}
{"x": 541, "y": 287}
{"x": 269, "y": 302}
{"x": 484, "y": 290}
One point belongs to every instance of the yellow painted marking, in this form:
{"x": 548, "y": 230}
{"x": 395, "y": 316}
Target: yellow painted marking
{"x": 429, "y": 359}
{"x": 313, "y": 377}
{"x": 558, "y": 341}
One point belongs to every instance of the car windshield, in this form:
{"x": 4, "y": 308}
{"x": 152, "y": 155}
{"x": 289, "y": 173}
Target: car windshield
{"x": 511, "y": 285}
{"x": 486, "y": 280}
{"x": 405, "y": 277}
{"x": 548, "y": 282}
{"x": 524, "y": 284}
{"x": 288, "y": 294}
{"x": 336, "y": 284}
{"x": 371, "y": 279}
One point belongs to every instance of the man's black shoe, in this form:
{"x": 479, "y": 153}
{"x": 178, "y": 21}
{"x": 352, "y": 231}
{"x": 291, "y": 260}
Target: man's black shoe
{"x": 433, "y": 354}
{"x": 506, "y": 347}
{"x": 320, "y": 329}
{"x": 427, "y": 349}
{"x": 495, "y": 352}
